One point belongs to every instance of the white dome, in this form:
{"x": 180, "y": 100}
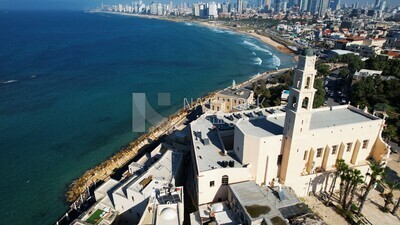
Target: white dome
{"x": 168, "y": 214}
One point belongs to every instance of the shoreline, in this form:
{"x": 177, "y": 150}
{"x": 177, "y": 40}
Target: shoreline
{"x": 264, "y": 39}
{"x": 121, "y": 157}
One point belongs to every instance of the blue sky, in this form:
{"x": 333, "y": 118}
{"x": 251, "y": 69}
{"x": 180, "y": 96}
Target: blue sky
{"x": 84, "y": 4}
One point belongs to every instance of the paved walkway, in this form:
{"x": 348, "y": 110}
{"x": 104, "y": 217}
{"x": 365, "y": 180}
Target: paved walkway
{"x": 330, "y": 216}
{"x": 373, "y": 213}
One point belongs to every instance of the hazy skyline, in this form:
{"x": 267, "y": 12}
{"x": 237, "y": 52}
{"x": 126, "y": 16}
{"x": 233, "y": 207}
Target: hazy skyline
{"x": 85, "y": 4}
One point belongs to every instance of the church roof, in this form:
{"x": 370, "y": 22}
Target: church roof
{"x": 263, "y": 126}
{"x": 338, "y": 116}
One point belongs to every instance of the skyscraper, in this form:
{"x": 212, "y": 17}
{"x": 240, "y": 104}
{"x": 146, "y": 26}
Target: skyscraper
{"x": 323, "y": 6}
{"x": 304, "y": 5}
{"x": 239, "y": 6}
{"x": 267, "y": 4}
{"x": 313, "y": 6}
{"x": 382, "y": 6}
{"x": 277, "y": 5}
{"x": 377, "y": 3}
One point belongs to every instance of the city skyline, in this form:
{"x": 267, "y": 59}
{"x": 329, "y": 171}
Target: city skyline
{"x": 88, "y": 4}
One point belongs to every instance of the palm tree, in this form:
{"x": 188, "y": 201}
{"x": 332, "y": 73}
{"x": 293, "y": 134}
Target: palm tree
{"x": 348, "y": 176}
{"x": 377, "y": 170}
{"x": 340, "y": 165}
{"x": 342, "y": 176}
{"x": 357, "y": 179}
{"x": 389, "y": 196}
{"x": 396, "y": 207}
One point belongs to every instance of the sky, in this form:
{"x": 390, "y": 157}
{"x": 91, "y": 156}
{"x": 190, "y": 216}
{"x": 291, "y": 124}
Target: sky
{"x": 87, "y": 4}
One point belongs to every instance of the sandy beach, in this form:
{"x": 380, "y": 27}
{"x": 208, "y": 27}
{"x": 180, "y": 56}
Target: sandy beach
{"x": 214, "y": 24}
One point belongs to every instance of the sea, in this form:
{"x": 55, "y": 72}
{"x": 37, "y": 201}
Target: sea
{"x": 66, "y": 84}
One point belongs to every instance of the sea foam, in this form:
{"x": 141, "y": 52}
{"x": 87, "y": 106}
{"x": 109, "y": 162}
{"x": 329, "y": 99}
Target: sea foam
{"x": 256, "y": 47}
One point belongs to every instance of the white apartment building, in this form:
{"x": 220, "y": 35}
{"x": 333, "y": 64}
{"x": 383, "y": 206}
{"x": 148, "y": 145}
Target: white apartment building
{"x": 152, "y": 177}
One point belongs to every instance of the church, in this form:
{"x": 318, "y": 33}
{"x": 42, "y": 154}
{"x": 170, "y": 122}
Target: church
{"x": 294, "y": 146}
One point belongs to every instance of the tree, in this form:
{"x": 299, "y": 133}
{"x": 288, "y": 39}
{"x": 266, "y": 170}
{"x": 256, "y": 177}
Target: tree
{"x": 389, "y": 196}
{"x": 344, "y": 168}
{"x": 390, "y": 132}
{"x": 340, "y": 167}
{"x": 377, "y": 171}
{"x": 345, "y": 73}
{"x": 347, "y": 186}
{"x": 356, "y": 179}
{"x": 322, "y": 69}
{"x": 319, "y": 97}
{"x": 396, "y": 207}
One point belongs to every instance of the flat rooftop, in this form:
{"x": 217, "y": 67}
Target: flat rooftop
{"x": 158, "y": 175}
{"x": 271, "y": 125}
{"x": 207, "y": 145}
{"x": 257, "y": 202}
{"x": 263, "y": 126}
{"x": 338, "y": 116}
{"x": 236, "y": 93}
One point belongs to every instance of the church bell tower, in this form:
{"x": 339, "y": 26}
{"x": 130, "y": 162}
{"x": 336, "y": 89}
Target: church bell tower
{"x": 301, "y": 97}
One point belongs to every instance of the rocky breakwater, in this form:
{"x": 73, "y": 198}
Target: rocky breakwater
{"x": 102, "y": 172}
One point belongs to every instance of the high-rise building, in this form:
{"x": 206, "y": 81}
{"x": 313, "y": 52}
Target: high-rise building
{"x": 259, "y": 3}
{"x": 313, "y": 6}
{"x": 357, "y": 5}
{"x": 323, "y": 6}
{"x": 212, "y": 11}
{"x": 377, "y": 3}
{"x": 224, "y": 8}
{"x": 334, "y": 4}
{"x": 245, "y": 5}
{"x": 267, "y": 4}
{"x": 304, "y": 5}
{"x": 196, "y": 10}
{"x": 382, "y": 6}
{"x": 239, "y": 6}
{"x": 277, "y": 5}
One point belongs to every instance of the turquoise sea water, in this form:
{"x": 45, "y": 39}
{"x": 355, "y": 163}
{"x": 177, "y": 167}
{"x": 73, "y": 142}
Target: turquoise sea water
{"x": 70, "y": 107}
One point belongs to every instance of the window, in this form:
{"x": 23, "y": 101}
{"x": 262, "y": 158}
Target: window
{"x": 305, "y": 155}
{"x": 225, "y": 180}
{"x": 308, "y": 83}
{"x": 334, "y": 149}
{"x": 297, "y": 81}
{"x": 365, "y": 144}
{"x": 133, "y": 199}
{"x": 294, "y": 101}
{"x": 212, "y": 183}
{"x": 349, "y": 147}
{"x": 305, "y": 103}
{"x": 319, "y": 152}
{"x": 279, "y": 160}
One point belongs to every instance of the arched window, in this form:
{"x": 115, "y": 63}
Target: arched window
{"x": 305, "y": 103}
{"x": 225, "y": 180}
{"x": 297, "y": 81}
{"x": 294, "y": 101}
{"x": 308, "y": 83}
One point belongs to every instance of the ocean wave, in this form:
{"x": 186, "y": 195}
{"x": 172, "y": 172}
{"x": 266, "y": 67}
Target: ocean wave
{"x": 189, "y": 24}
{"x": 276, "y": 60}
{"x": 253, "y": 53}
{"x": 258, "y": 61}
{"x": 221, "y": 31}
{"x": 256, "y": 47}
{"x": 8, "y": 81}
